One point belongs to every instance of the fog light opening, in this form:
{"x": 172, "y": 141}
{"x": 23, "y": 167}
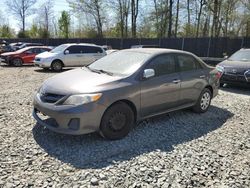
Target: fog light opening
{"x": 74, "y": 124}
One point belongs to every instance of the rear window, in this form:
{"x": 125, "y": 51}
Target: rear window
{"x": 188, "y": 63}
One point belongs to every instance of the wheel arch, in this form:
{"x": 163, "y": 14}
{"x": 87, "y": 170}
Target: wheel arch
{"x": 211, "y": 89}
{"x": 59, "y": 61}
{"x": 129, "y": 103}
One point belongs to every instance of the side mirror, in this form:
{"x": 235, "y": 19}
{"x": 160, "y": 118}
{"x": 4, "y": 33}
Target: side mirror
{"x": 148, "y": 73}
{"x": 66, "y": 52}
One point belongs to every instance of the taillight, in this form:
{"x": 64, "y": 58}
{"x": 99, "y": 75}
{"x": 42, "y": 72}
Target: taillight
{"x": 218, "y": 74}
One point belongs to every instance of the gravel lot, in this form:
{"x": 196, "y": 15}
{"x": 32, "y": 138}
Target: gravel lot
{"x": 180, "y": 149}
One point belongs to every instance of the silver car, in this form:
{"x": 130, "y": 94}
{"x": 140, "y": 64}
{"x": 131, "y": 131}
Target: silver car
{"x": 118, "y": 90}
{"x": 69, "y": 55}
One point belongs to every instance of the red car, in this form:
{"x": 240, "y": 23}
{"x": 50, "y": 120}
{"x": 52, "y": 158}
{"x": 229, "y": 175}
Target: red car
{"x": 23, "y": 56}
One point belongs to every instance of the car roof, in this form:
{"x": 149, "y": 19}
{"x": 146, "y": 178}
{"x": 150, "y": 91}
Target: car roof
{"x": 155, "y": 51}
{"x": 30, "y": 47}
{"x": 89, "y": 44}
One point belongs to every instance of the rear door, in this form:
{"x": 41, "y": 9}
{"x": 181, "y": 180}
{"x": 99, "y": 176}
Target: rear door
{"x": 193, "y": 78}
{"x": 161, "y": 92}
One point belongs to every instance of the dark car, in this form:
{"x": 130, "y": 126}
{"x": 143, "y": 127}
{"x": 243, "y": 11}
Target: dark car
{"x": 236, "y": 69}
{"x": 116, "y": 91}
{"x": 24, "y": 45}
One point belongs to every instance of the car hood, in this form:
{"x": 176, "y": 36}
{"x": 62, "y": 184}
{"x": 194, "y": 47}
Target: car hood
{"x": 77, "y": 81}
{"x": 235, "y": 66}
{"x": 46, "y": 55}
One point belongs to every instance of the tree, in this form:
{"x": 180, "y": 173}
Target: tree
{"x": 45, "y": 15}
{"x": 64, "y": 23}
{"x": 21, "y": 9}
{"x": 177, "y": 17}
{"x": 201, "y": 5}
{"x": 121, "y": 8}
{"x": 93, "y": 8}
{"x": 170, "y": 22}
{"x": 134, "y": 15}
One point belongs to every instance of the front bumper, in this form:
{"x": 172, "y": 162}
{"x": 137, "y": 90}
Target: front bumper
{"x": 235, "y": 78}
{"x": 42, "y": 64}
{"x": 67, "y": 119}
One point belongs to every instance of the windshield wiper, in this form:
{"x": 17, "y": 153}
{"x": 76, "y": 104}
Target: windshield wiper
{"x": 100, "y": 71}
{"x": 106, "y": 72}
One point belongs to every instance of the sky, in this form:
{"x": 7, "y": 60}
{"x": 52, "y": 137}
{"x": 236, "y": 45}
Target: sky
{"x": 59, "y": 6}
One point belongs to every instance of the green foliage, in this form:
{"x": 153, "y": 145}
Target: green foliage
{"x": 64, "y": 23}
{"x": 6, "y": 32}
{"x": 23, "y": 34}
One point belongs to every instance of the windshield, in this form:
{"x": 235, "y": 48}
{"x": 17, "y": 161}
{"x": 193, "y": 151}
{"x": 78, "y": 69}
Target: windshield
{"x": 122, "y": 63}
{"x": 59, "y": 49}
{"x": 240, "y": 56}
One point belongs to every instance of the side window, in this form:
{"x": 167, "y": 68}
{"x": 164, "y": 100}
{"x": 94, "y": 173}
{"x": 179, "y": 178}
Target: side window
{"x": 91, "y": 50}
{"x": 163, "y": 64}
{"x": 74, "y": 49}
{"x": 43, "y": 50}
{"x": 187, "y": 63}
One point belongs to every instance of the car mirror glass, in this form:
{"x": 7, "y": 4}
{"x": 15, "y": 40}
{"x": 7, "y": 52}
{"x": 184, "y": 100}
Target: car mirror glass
{"x": 148, "y": 73}
{"x": 66, "y": 52}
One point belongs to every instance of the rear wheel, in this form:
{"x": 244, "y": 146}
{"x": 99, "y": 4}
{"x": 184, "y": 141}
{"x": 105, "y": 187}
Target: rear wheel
{"x": 117, "y": 121}
{"x": 57, "y": 66}
{"x": 17, "y": 62}
{"x": 203, "y": 102}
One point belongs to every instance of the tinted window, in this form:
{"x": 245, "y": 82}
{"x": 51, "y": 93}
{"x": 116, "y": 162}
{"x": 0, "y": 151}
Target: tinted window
{"x": 75, "y": 49}
{"x": 43, "y": 50}
{"x": 91, "y": 49}
{"x": 163, "y": 64}
{"x": 187, "y": 63}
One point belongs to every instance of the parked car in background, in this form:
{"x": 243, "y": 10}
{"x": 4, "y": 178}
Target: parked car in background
{"x": 23, "y": 56}
{"x": 16, "y": 45}
{"x": 116, "y": 91}
{"x": 6, "y": 48}
{"x": 145, "y": 46}
{"x": 69, "y": 55}
{"x": 236, "y": 69}
{"x": 24, "y": 45}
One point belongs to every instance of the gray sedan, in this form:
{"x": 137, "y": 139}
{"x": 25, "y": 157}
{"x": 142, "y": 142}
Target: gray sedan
{"x": 116, "y": 91}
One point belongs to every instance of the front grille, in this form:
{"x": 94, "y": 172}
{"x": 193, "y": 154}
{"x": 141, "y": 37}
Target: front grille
{"x": 51, "y": 98}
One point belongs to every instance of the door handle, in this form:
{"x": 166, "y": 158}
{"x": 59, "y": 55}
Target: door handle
{"x": 176, "y": 81}
{"x": 202, "y": 76}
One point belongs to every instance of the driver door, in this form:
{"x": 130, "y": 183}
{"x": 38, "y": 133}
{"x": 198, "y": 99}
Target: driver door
{"x": 72, "y": 58}
{"x": 28, "y": 55}
{"x": 161, "y": 92}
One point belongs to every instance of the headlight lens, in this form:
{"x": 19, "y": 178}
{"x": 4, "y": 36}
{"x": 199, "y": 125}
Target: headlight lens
{"x": 82, "y": 99}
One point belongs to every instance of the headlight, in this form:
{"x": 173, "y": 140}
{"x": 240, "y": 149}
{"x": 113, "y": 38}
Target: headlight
{"x": 82, "y": 99}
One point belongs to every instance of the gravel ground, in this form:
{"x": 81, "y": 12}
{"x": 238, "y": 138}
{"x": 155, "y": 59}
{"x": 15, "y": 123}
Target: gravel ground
{"x": 180, "y": 149}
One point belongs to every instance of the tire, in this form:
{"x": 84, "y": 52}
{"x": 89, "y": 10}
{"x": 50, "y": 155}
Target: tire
{"x": 117, "y": 121}
{"x": 203, "y": 102}
{"x": 17, "y": 62}
{"x": 57, "y": 66}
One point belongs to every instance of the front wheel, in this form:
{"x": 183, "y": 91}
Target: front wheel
{"x": 57, "y": 66}
{"x": 203, "y": 102}
{"x": 117, "y": 121}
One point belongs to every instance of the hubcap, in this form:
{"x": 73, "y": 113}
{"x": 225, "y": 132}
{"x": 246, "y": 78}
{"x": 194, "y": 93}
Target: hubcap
{"x": 57, "y": 66}
{"x": 117, "y": 121}
{"x": 205, "y": 101}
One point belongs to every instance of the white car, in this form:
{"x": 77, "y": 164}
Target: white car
{"x": 69, "y": 55}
